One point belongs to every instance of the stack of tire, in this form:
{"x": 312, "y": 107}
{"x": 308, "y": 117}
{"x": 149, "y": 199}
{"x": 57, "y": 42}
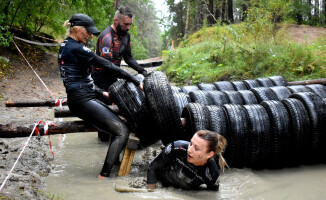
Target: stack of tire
{"x": 266, "y": 127}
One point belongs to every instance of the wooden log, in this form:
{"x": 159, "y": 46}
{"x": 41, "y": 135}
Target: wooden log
{"x": 321, "y": 81}
{"x": 128, "y": 156}
{"x": 24, "y": 130}
{"x": 40, "y": 103}
{"x": 14, "y": 130}
{"x": 61, "y": 112}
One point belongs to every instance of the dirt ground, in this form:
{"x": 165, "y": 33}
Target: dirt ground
{"x": 28, "y": 179}
{"x": 305, "y": 33}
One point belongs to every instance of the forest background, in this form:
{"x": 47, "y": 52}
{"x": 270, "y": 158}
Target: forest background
{"x": 231, "y": 39}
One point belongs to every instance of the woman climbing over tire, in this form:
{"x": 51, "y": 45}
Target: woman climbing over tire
{"x": 188, "y": 165}
{"x": 75, "y": 62}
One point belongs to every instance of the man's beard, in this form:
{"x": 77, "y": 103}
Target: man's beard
{"x": 121, "y": 32}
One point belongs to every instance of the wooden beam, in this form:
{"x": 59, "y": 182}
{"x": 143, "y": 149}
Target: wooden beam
{"x": 24, "y": 130}
{"x": 61, "y": 112}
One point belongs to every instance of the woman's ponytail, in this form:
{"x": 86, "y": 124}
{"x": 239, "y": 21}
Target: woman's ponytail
{"x": 69, "y": 30}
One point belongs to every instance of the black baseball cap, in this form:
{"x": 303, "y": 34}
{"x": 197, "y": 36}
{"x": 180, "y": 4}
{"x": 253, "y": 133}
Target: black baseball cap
{"x": 85, "y": 21}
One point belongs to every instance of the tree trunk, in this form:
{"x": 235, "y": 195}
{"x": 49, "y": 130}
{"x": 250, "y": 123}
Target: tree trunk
{"x": 187, "y": 17}
{"x": 244, "y": 11}
{"x": 6, "y": 8}
{"x": 44, "y": 18}
{"x": 310, "y": 7}
{"x": 317, "y": 10}
{"x": 211, "y": 11}
{"x": 13, "y": 18}
{"x": 230, "y": 11}
{"x": 217, "y": 11}
{"x": 223, "y": 10}
{"x": 325, "y": 10}
{"x": 181, "y": 24}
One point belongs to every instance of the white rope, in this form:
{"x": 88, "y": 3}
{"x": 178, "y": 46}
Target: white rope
{"x": 4, "y": 182}
{"x": 34, "y": 71}
{"x": 37, "y": 43}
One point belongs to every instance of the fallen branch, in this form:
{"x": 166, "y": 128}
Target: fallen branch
{"x": 119, "y": 188}
{"x": 321, "y": 81}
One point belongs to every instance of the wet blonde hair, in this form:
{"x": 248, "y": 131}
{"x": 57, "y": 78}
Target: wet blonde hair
{"x": 216, "y": 143}
{"x": 70, "y": 29}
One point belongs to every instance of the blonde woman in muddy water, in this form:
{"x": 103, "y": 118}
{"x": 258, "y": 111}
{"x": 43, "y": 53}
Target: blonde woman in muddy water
{"x": 188, "y": 165}
{"x": 75, "y": 62}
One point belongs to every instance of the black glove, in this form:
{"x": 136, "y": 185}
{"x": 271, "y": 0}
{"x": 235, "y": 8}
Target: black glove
{"x": 144, "y": 73}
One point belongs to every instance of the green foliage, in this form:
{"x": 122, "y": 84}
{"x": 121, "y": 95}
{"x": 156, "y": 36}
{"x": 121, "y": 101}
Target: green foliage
{"x": 236, "y": 54}
{"x": 48, "y": 16}
{"x": 5, "y": 37}
{"x": 4, "y": 66}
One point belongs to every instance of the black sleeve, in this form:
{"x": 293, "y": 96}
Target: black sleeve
{"x": 160, "y": 162}
{"x": 130, "y": 60}
{"x": 212, "y": 174}
{"x": 105, "y": 64}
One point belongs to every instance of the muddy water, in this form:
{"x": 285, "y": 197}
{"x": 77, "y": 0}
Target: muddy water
{"x": 79, "y": 158}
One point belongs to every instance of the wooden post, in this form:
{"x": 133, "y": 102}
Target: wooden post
{"x": 128, "y": 155}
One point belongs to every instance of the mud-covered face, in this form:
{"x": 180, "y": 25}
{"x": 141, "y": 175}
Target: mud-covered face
{"x": 198, "y": 151}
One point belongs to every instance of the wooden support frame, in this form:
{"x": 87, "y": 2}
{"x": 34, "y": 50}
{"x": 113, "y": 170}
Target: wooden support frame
{"x": 128, "y": 155}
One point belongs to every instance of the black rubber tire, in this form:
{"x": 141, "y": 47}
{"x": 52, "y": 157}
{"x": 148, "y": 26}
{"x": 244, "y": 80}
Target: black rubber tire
{"x": 278, "y": 80}
{"x": 217, "y": 98}
{"x": 318, "y": 89}
{"x": 207, "y": 86}
{"x": 298, "y": 88}
{"x": 251, "y": 84}
{"x": 176, "y": 89}
{"x": 223, "y": 86}
{"x": 317, "y": 114}
{"x": 281, "y": 92}
{"x": 147, "y": 130}
{"x": 163, "y": 107}
{"x": 126, "y": 101}
{"x": 217, "y": 120}
{"x": 196, "y": 119}
{"x": 264, "y": 94}
{"x": 189, "y": 88}
{"x": 234, "y": 97}
{"x": 181, "y": 100}
{"x": 236, "y": 152}
{"x": 239, "y": 85}
{"x": 248, "y": 97}
{"x": 280, "y": 122}
{"x": 299, "y": 130}
{"x": 259, "y": 146}
{"x": 265, "y": 82}
{"x": 199, "y": 96}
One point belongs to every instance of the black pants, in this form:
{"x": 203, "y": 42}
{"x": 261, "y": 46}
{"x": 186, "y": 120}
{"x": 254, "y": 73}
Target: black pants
{"x": 101, "y": 117}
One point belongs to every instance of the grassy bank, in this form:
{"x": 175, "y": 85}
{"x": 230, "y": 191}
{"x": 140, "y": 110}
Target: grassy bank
{"x": 239, "y": 52}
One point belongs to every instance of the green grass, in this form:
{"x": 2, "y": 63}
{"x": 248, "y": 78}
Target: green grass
{"x": 237, "y": 52}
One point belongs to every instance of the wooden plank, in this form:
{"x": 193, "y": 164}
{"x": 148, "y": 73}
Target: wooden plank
{"x": 124, "y": 162}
